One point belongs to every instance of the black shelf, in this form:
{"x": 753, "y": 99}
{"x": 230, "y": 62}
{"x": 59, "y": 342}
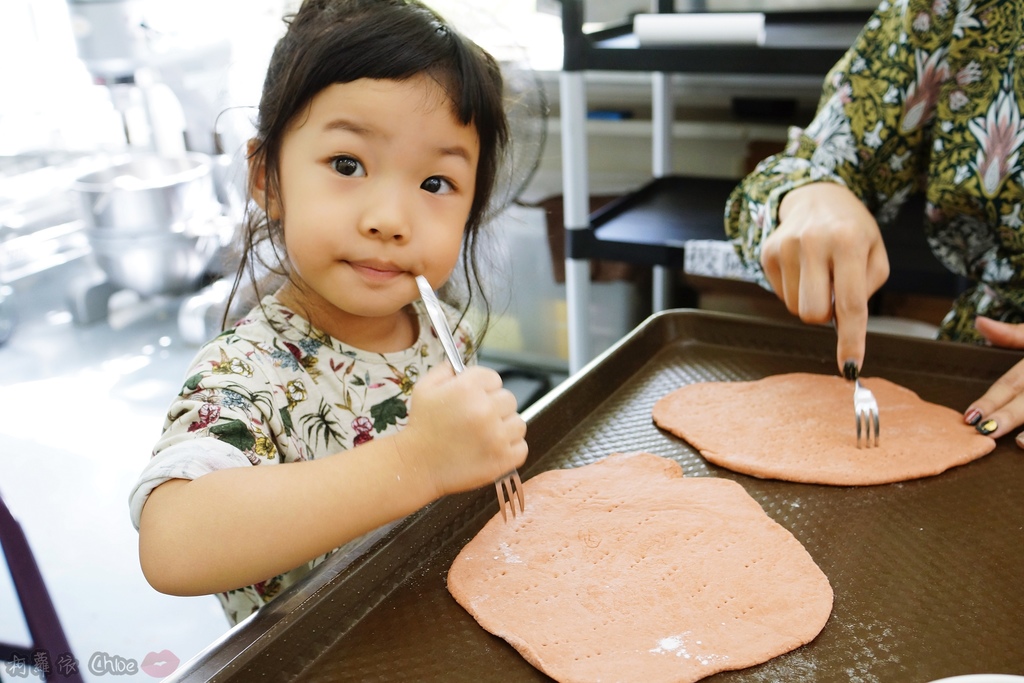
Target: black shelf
{"x": 796, "y": 43}
{"x": 651, "y": 225}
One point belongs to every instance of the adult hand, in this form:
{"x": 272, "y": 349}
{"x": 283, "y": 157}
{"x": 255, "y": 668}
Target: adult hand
{"x": 825, "y": 260}
{"x": 1001, "y": 409}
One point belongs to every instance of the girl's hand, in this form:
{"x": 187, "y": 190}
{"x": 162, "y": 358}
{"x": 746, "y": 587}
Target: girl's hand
{"x": 1001, "y": 409}
{"x": 825, "y": 259}
{"x": 463, "y": 429}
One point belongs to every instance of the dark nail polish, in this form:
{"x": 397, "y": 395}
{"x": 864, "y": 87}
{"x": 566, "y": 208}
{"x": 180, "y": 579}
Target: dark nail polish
{"x": 850, "y": 370}
{"x": 973, "y": 416}
{"x": 987, "y": 427}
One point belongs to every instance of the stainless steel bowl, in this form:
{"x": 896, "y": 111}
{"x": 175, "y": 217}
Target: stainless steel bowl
{"x": 155, "y": 222}
{"x": 148, "y": 193}
{"x": 150, "y": 264}
{"x": 8, "y": 315}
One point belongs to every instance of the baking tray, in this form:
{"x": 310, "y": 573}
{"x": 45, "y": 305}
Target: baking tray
{"x": 928, "y": 574}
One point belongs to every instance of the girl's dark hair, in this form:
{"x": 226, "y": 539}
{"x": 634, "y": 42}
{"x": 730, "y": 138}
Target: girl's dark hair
{"x": 340, "y": 41}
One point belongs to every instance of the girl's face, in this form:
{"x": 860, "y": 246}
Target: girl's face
{"x": 377, "y": 179}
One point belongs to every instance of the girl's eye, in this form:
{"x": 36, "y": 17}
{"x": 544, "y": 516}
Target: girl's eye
{"x": 347, "y": 166}
{"x": 436, "y": 185}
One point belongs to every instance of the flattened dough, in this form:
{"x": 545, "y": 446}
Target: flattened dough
{"x": 801, "y": 427}
{"x": 623, "y": 570}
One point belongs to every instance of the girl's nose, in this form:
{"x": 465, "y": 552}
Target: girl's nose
{"x": 388, "y": 232}
{"x": 385, "y": 217}
{"x": 386, "y": 224}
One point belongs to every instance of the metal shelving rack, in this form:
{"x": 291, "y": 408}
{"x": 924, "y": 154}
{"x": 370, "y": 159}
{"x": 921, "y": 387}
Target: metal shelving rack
{"x": 651, "y": 226}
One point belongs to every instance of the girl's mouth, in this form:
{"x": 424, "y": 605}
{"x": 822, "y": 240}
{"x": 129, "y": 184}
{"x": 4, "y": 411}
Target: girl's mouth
{"x": 376, "y": 271}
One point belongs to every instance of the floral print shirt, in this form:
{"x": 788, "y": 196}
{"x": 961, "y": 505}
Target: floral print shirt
{"x": 275, "y": 390}
{"x": 928, "y": 99}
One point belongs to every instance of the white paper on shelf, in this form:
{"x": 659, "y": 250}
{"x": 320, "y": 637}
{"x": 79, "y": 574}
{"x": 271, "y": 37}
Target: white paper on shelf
{"x": 715, "y": 28}
{"x": 717, "y": 259}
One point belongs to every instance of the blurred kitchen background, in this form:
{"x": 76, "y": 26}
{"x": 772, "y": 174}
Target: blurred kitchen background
{"x": 122, "y": 128}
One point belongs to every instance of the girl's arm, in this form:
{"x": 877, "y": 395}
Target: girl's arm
{"x": 240, "y": 526}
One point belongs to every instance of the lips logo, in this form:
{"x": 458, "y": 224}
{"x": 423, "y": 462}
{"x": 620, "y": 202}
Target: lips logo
{"x": 160, "y": 664}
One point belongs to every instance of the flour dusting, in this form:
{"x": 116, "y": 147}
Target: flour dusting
{"x": 510, "y": 557}
{"x": 677, "y": 645}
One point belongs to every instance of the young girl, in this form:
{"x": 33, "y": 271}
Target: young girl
{"x": 330, "y": 410}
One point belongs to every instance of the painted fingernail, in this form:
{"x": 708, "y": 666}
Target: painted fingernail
{"x": 987, "y": 427}
{"x": 1020, "y": 439}
{"x": 850, "y": 370}
{"x": 972, "y": 417}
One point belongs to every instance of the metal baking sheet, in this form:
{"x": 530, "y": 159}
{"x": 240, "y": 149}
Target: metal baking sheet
{"x": 928, "y": 574}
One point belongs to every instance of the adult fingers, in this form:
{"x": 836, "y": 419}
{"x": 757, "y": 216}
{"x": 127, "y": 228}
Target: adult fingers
{"x": 784, "y": 281}
{"x": 815, "y": 298}
{"x": 1005, "y": 335}
{"x": 860, "y": 270}
{"x": 878, "y": 266}
{"x": 851, "y": 308}
{"x": 797, "y": 267}
{"x": 1001, "y": 408}
{"x": 1004, "y": 420}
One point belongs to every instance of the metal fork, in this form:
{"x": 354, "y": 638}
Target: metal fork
{"x": 510, "y": 489}
{"x": 509, "y": 486}
{"x": 865, "y": 408}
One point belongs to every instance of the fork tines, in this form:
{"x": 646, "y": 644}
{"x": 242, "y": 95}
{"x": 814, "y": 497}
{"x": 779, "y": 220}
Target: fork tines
{"x": 866, "y": 408}
{"x": 865, "y": 420}
{"x": 510, "y": 490}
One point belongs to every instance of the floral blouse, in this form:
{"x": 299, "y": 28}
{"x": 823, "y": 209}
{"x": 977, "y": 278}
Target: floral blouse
{"x": 275, "y": 390}
{"x": 928, "y": 100}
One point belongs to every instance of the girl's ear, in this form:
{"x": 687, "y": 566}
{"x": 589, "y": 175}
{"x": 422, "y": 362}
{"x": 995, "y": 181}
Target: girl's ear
{"x": 258, "y": 182}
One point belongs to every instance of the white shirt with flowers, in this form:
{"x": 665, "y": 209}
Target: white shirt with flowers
{"x": 275, "y": 390}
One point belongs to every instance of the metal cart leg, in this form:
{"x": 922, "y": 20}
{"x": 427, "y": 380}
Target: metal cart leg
{"x": 662, "y": 116}
{"x": 661, "y": 288}
{"x": 576, "y": 198}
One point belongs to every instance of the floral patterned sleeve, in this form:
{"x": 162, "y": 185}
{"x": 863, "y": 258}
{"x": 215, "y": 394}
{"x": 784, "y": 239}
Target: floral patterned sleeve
{"x": 230, "y": 397}
{"x": 226, "y": 415}
{"x": 866, "y": 134}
